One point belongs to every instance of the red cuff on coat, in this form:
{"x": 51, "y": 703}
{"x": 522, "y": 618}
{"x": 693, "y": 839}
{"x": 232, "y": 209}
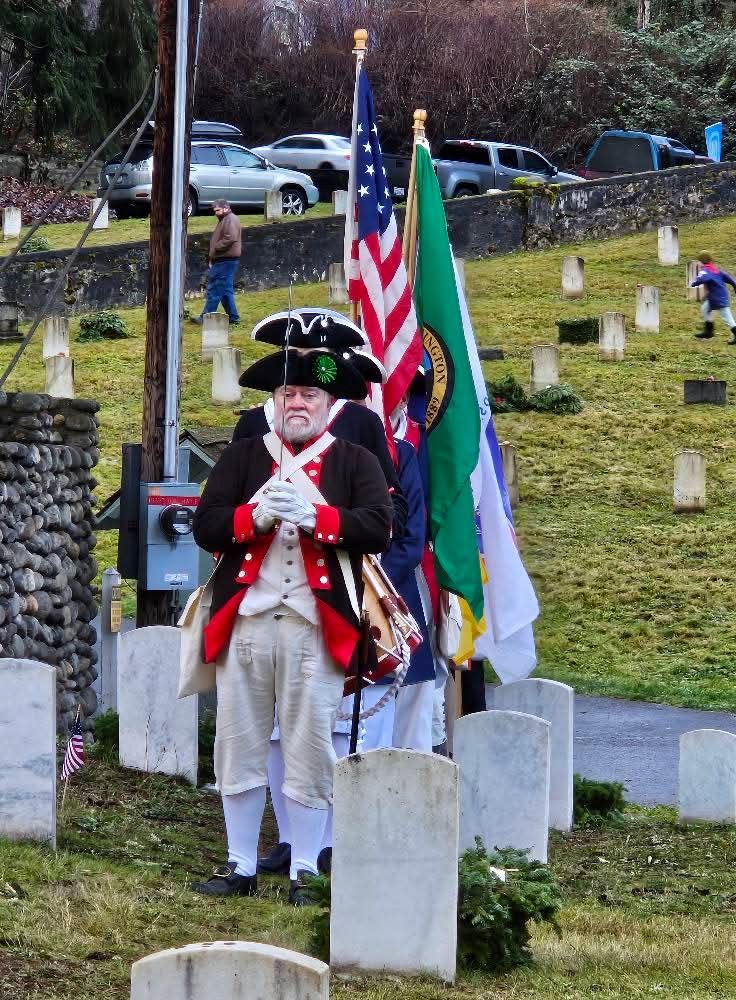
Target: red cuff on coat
{"x": 243, "y": 527}
{"x": 327, "y": 527}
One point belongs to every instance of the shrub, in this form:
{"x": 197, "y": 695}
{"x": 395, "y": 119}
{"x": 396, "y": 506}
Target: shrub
{"x": 107, "y": 735}
{"x": 105, "y": 325}
{"x": 499, "y": 893}
{"x": 493, "y": 915}
{"x": 36, "y": 244}
{"x": 507, "y": 395}
{"x": 556, "y": 399}
{"x": 597, "y": 800}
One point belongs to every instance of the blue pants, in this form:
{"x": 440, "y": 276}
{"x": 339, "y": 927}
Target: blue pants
{"x": 220, "y": 279}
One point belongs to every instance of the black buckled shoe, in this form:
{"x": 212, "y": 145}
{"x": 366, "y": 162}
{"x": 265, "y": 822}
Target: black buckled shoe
{"x": 299, "y": 892}
{"x": 226, "y": 882}
{"x": 324, "y": 861}
{"x": 277, "y": 862}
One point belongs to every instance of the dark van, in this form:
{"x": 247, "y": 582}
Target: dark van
{"x": 624, "y": 152}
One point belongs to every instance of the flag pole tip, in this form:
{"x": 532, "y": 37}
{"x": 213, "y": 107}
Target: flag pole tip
{"x": 420, "y": 117}
{"x": 360, "y": 36}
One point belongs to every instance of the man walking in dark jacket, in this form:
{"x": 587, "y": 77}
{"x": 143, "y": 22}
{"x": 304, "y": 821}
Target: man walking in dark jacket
{"x": 224, "y": 254}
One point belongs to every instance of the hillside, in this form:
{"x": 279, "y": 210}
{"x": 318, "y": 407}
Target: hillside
{"x": 636, "y": 602}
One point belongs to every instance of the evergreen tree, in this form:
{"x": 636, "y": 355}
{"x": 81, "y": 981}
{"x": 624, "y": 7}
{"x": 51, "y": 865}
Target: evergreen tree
{"x": 125, "y": 43}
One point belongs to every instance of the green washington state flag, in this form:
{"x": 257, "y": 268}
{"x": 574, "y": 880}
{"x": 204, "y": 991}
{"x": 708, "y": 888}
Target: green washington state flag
{"x": 453, "y": 418}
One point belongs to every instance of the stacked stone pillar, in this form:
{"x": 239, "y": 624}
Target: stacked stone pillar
{"x": 48, "y": 448}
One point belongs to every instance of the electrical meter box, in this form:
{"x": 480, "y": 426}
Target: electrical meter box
{"x": 169, "y": 557}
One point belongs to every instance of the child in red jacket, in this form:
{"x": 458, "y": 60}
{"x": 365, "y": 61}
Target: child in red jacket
{"x": 717, "y": 297}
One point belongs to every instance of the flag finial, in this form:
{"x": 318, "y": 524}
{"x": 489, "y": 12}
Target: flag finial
{"x": 420, "y": 120}
{"x": 360, "y": 37}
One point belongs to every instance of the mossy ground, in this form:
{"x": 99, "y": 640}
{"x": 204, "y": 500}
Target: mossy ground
{"x": 648, "y": 904}
{"x": 636, "y": 601}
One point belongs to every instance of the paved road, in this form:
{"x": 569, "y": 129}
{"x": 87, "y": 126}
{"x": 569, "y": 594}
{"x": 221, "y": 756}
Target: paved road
{"x": 637, "y": 743}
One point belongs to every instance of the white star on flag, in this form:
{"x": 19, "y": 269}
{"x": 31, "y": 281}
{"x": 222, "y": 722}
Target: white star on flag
{"x": 369, "y": 170}
{"x": 367, "y": 147}
{"x": 362, "y": 190}
{"x": 360, "y": 129}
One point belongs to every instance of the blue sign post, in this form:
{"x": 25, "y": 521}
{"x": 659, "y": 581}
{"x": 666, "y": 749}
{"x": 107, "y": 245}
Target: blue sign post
{"x": 714, "y": 141}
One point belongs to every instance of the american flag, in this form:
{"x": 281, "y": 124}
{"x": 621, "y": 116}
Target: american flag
{"x": 74, "y": 756}
{"x": 374, "y": 265}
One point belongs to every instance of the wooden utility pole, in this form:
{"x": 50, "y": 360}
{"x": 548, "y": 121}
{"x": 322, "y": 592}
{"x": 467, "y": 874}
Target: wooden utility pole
{"x": 154, "y": 605}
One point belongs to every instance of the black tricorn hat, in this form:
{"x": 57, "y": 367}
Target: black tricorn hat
{"x": 320, "y": 369}
{"x": 310, "y": 327}
{"x": 369, "y": 367}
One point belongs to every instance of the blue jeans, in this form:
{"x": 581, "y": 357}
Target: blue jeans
{"x": 220, "y": 279}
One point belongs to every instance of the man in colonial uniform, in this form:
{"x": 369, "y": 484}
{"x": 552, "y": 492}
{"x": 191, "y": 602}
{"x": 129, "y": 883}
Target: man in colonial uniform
{"x": 291, "y": 513}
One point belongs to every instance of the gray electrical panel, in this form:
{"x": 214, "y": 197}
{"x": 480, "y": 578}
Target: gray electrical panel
{"x": 169, "y": 557}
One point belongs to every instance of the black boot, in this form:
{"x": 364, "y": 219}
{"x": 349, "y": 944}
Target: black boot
{"x": 732, "y": 341}
{"x": 299, "y": 892}
{"x": 226, "y": 882}
{"x": 324, "y": 861}
{"x": 277, "y": 862}
{"x": 707, "y": 331}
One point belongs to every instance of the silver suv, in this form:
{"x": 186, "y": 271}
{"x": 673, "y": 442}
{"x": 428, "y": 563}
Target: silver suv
{"x": 218, "y": 170}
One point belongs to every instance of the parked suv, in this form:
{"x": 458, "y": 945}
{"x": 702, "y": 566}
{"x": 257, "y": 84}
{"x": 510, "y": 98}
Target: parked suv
{"x": 472, "y": 166}
{"x": 625, "y": 152}
{"x": 217, "y": 170}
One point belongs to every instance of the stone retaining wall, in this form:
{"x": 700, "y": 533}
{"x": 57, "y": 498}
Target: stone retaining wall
{"x": 48, "y": 448}
{"x": 274, "y": 255}
{"x": 54, "y": 170}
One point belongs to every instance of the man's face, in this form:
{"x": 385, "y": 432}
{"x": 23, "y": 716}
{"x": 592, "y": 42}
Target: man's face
{"x": 221, "y": 210}
{"x": 302, "y": 411}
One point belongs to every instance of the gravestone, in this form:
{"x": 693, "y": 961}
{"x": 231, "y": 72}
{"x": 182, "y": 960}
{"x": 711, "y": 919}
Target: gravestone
{"x": 705, "y": 390}
{"x": 229, "y": 970}
{"x": 689, "y": 486}
{"x": 394, "y": 864}
{"x": 9, "y": 322}
{"x": 225, "y": 374}
{"x": 553, "y": 702}
{"x": 55, "y": 337}
{"x": 692, "y": 270}
{"x": 108, "y": 625}
{"x": 27, "y": 750}
{"x": 573, "y": 277}
{"x": 11, "y": 223}
{"x": 545, "y": 367}
{"x": 612, "y": 336}
{"x": 215, "y": 333}
{"x": 103, "y": 219}
{"x": 504, "y": 760}
{"x": 60, "y": 376}
{"x": 668, "y": 245}
{"x": 337, "y": 291}
{"x": 339, "y": 202}
{"x": 647, "y": 309}
{"x": 511, "y": 472}
{"x": 158, "y": 732}
{"x": 707, "y": 781}
{"x": 273, "y": 205}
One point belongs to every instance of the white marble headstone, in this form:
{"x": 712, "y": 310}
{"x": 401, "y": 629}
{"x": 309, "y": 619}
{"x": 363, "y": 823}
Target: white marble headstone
{"x": 158, "y": 731}
{"x": 553, "y": 702}
{"x": 215, "y": 333}
{"x": 504, "y": 761}
{"x": 27, "y": 750}
{"x": 394, "y": 864}
{"x": 708, "y": 776}
{"x": 229, "y": 970}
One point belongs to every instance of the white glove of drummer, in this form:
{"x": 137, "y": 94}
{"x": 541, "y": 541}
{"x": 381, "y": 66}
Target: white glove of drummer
{"x": 285, "y": 501}
{"x": 264, "y": 518}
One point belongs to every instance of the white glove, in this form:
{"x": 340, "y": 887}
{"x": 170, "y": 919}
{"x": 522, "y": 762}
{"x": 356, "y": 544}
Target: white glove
{"x": 264, "y": 518}
{"x": 289, "y": 505}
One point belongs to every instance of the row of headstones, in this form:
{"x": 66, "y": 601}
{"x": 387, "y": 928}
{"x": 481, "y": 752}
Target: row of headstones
{"x": 13, "y": 218}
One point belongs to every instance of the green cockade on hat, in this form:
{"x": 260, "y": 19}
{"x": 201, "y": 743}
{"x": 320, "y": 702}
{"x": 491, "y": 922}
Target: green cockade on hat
{"x": 324, "y": 369}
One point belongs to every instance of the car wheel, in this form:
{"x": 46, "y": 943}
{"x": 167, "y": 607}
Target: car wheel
{"x": 294, "y": 201}
{"x": 192, "y": 203}
{"x": 464, "y": 191}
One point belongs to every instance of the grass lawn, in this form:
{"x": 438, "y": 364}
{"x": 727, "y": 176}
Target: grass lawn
{"x": 62, "y": 235}
{"x": 636, "y": 602}
{"x": 648, "y": 905}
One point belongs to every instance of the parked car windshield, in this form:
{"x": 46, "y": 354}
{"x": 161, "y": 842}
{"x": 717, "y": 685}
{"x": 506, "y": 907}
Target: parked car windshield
{"x": 617, "y": 154}
{"x": 463, "y": 152}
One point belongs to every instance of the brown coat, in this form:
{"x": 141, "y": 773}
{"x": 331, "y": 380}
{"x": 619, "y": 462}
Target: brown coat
{"x": 225, "y": 242}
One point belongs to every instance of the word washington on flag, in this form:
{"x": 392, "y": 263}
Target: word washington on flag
{"x": 374, "y": 267}
{"x": 470, "y": 517}
{"x": 74, "y": 755}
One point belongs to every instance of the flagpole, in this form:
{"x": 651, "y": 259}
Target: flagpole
{"x": 360, "y": 47}
{"x": 409, "y": 240}
{"x": 66, "y": 782}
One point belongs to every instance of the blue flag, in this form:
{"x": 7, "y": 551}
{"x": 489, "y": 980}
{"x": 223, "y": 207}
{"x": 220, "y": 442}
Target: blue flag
{"x": 714, "y": 141}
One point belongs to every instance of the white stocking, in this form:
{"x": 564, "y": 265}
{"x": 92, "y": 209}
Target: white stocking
{"x": 243, "y": 815}
{"x": 307, "y": 830}
{"x": 275, "y": 784}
